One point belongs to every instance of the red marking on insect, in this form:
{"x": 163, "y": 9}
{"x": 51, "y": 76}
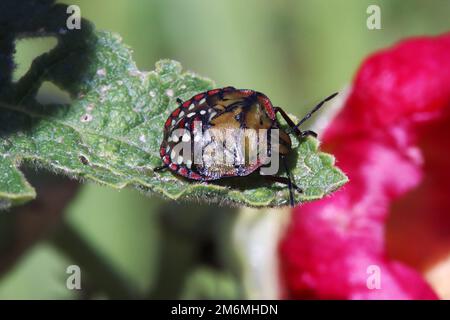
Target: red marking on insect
{"x": 213, "y": 92}
{"x": 194, "y": 176}
{"x": 166, "y": 159}
{"x": 268, "y": 106}
{"x": 176, "y": 112}
{"x": 247, "y": 92}
{"x": 248, "y": 109}
{"x": 199, "y": 96}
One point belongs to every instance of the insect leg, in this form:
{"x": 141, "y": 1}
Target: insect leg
{"x": 291, "y": 193}
{"x": 287, "y": 181}
{"x": 158, "y": 169}
{"x": 308, "y": 133}
{"x": 289, "y": 121}
{"x": 283, "y": 180}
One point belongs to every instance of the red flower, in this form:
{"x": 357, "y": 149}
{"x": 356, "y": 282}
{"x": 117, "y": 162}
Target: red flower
{"x": 391, "y": 138}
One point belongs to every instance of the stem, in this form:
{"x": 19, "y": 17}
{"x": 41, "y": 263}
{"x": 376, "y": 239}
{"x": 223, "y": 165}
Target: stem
{"x": 102, "y": 275}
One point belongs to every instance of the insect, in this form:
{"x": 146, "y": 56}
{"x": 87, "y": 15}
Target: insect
{"x": 227, "y": 110}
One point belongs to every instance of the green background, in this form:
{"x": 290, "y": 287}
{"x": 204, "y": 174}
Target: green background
{"x": 296, "y": 52}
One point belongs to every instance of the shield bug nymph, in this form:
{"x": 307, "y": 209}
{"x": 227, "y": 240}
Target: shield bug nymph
{"x": 229, "y": 132}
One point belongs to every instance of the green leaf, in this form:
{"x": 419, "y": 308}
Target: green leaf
{"x": 112, "y": 130}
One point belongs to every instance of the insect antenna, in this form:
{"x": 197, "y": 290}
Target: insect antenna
{"x": 317, "y": 107}
{"x": 291, "y": 191}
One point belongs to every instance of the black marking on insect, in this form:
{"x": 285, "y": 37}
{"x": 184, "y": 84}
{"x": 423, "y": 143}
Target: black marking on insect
{"x": 229, "y": 108}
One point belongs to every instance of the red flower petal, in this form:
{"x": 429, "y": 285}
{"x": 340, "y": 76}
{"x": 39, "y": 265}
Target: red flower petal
{"x": 419, "y": 225}
{"x": 398, "y": 86}
{"x": 378, "y": 140}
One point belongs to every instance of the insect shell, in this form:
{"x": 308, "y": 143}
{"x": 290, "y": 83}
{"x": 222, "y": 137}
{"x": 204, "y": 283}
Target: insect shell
{"x": 223, "y": 109}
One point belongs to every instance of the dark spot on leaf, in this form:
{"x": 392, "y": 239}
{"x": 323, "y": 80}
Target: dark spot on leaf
{"x": 86, "y": 117}
{"x": 83, "y": 160}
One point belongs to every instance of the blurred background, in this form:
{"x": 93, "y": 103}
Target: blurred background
{"x": 295, "y": 51}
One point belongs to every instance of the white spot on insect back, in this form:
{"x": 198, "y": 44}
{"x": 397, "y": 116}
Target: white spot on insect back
{"x": 173, "y": 122}
{"x": 181, "y": 115}
{"x": 202, "y": 112}
{"x": 191, "y": 114}
{"x": 202, "y": 101}
{"x": 191, "y": 106}
{"x": 186, "y": 137}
